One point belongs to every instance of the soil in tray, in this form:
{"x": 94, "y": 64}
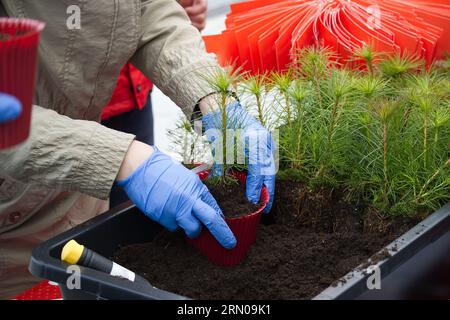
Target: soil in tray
{"x": 317, "y": 238}
{"x": 231, "y": 199}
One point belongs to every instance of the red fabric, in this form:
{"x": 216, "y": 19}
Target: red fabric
{"x": 43, "y": 291}
{"x": 131, "y": 92}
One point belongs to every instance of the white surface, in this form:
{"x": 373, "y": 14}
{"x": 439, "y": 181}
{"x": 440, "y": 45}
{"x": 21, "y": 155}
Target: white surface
{"x": 166, "y": 113}
{"x": 119, "y": 271}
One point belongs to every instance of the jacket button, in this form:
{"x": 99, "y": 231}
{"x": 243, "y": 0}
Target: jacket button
{"x": 14, "y": 217}
{"x": 138, "y": 88}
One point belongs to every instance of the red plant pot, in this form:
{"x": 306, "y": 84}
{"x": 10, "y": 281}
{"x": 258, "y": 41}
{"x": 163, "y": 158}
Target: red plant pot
{"x": 244, "y": 229}
{"x": 18, "y": 57}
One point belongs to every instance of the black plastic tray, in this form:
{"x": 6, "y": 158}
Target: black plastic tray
{"x": 121, "y": 226}
{"x": 428, "y": 242}
{"x": 417, "y": 269}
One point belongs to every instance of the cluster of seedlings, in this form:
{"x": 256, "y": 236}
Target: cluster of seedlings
{"x": 363, "y": 151}
{"x": 377, "y": 127}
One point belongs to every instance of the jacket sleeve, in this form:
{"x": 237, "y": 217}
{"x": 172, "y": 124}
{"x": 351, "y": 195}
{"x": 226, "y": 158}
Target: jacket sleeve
{"x": 72, "y": 155}
{"x": 172, "y": 53}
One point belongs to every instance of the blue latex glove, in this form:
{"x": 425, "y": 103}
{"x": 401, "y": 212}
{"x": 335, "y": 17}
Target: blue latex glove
{"x": 259, "y": 149}
{"x": 175, "y": 197}
{"x": 10, "y": 108}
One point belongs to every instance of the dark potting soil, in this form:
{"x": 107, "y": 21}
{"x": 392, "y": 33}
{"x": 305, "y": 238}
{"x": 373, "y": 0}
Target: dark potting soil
{"x": 231, "y": 199}
{"x": 317, "y": 238}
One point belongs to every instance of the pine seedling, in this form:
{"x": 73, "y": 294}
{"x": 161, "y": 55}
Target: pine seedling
{"x": 339, "y": 88}
{"x": 399, "y": 65}
{"x": 282, "y": 82}
{"x": 187, "y": 143}
{"x": 367, "y": 54}
{"x": 255, "y": 85}
{"x": 371, "y": 87}
{"x": 430, "y": 189}
{"x": 294, "y": 133}
{"x": 314, "y": 64}
{"x": 384, "y": 111}
{"x": 223, "y": 83}
{"x": 328, "y": 129}
{"x": 367, "y": 156}
{"x": 368, "y": 89}
{"x": 423, "y": 93}
{"x": 441, "y": 119}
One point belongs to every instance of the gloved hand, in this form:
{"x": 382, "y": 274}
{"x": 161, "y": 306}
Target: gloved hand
{"x": 175, "y": 197}
{"x": 259, "y": 149}
{"x": 10, "y": 108}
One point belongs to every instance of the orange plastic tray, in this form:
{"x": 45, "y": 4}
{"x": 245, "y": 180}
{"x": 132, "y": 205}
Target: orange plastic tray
{"x": 263, "y": 35}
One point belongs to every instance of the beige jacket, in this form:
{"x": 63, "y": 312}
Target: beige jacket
{"x": 53, "y": 181}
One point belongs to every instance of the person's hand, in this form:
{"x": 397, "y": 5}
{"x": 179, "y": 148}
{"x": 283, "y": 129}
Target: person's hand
{"x": 173, "y": 196}
{"x": 196, "y": 10}
{"x": 10, "y": 108}
{"x": 259, "y": 149}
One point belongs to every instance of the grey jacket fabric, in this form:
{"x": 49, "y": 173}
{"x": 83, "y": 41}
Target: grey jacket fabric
{"x": 77, "y": 74}
{"x": 69, "y": 153}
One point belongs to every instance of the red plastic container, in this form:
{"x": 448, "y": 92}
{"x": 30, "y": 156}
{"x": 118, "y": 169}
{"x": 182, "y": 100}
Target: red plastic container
{"x": 18, "y": 57}
{"x": 244, "y": 229}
